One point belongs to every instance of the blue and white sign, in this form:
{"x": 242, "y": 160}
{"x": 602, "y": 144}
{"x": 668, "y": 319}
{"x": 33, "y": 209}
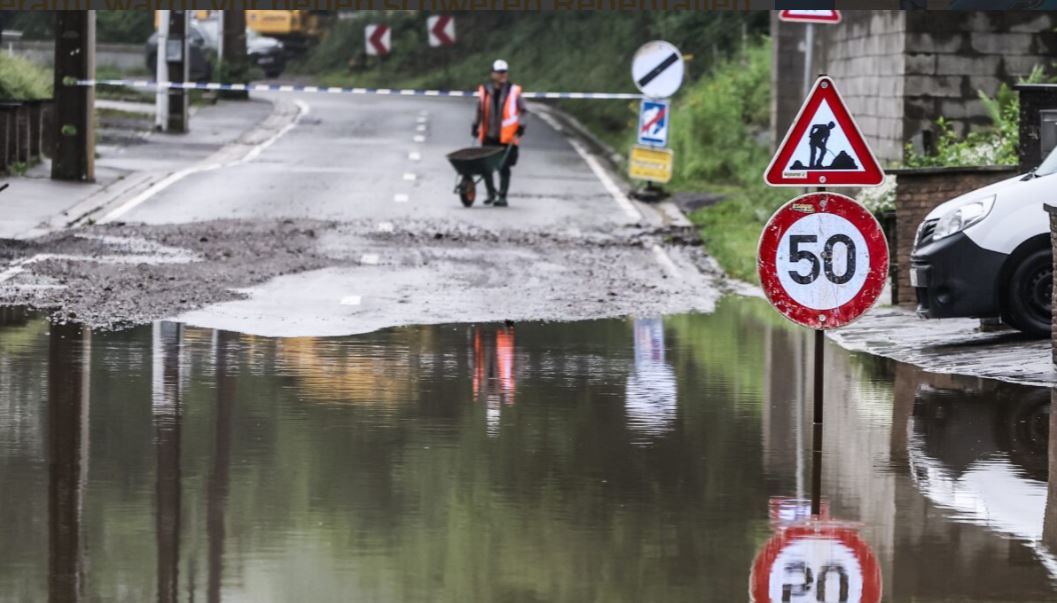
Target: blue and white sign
{"x": 653, "y": 122}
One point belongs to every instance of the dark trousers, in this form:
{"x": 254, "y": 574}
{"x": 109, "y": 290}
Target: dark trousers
{"x": 504, "y": 170}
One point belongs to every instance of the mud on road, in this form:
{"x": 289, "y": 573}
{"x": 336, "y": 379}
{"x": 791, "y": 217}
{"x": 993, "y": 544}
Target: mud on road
{"x": 115, "y": 275}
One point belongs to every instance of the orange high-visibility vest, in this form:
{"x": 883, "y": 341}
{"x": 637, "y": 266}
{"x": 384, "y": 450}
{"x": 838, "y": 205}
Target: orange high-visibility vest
{"x": 511, "y": 115}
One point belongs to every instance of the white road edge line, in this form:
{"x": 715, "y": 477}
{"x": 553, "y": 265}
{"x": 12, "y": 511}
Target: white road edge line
{"x": 303, "y": 109}
{"x": 369, "y": 259}
{"x": 611, "y": 187}
{"x": 665, "y": 260}
{"x": 351, "y": 300}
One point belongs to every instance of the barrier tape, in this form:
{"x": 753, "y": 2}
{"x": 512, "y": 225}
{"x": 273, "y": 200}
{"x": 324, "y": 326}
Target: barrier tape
{"x": 339, "y": 90}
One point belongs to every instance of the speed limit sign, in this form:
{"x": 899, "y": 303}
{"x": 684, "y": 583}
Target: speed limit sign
{"x": 816, "y": 562}
{"x": 823, "y": 260}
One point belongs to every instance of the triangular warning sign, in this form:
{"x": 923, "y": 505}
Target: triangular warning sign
{"x": 824, "y": 147}
{"x": 810, "y": 16}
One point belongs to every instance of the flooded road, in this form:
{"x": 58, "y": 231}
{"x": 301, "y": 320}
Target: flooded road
{"x": 617, "y": 460}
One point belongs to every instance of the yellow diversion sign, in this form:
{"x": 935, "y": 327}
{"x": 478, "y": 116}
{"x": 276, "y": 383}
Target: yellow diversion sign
{"x": 650, "y": 163}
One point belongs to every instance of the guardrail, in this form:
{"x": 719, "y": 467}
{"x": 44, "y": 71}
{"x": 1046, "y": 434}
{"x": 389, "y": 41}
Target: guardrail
{"x": 24, "y": 132}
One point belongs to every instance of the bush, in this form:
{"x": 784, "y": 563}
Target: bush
{"x": 22, "y": 80}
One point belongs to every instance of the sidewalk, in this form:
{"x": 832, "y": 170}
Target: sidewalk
{"x": 34, "y": 204}
{"x": 955, "y": 346}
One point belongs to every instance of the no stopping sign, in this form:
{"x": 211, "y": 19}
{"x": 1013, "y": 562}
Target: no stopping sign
{"x": 823, "y": 260}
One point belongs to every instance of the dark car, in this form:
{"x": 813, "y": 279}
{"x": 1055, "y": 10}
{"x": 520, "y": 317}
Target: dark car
{"x": 264, "y": 52}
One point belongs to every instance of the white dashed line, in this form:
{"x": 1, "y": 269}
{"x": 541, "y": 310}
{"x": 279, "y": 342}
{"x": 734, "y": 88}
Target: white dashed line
{"x": 421, "y": 119}
{"x": 414, "y": 156}
{"x": 400, "y": 198}
{"x": 351, "y": 300}
{"x": 419, "y": 138}
{"x": 369, "y": 259}
{"x": 386, "y": 227}
{"x": 421, "y": 128}
{"x": 410, "y": 177}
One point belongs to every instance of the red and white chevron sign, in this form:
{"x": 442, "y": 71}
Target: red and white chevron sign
{"x": 441, "y": 30}
{"x": 379, "y": 40}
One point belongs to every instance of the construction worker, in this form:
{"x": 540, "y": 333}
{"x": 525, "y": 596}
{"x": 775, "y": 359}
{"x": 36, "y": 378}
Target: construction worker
{"x": 498, "y": 123}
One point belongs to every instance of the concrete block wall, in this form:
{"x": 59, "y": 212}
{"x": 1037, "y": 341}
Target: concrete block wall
{"x": 918, "y": 192}
{"x": 864, "y": 54}
{"x": 950, "y": 59}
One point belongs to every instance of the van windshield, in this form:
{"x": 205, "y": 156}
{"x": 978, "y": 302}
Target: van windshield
{"x": 1049, "y": 166}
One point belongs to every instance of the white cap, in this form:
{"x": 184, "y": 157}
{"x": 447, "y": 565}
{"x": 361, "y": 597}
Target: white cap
{"x": 500, "y": 65}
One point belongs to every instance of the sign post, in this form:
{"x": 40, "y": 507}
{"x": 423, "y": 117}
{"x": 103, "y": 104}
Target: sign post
{"x": 657, "y": 70}
{"x": 823, "y": 257}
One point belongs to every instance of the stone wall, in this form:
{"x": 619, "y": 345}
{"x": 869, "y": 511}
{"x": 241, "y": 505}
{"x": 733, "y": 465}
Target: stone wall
{"x": 949, "y": 60}
{"x": 864, "y": 55}
{"x": 900, "y": 71}
{"x": 919, "y": 191}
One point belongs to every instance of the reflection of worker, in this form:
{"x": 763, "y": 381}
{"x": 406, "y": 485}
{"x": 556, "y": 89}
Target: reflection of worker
{"x": 818, "y": 138}
{"x": 494, "y": 379}
{"x": 498, "y": 122}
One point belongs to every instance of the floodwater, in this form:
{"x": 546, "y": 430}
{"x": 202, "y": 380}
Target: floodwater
{"x": 617, "y": 460}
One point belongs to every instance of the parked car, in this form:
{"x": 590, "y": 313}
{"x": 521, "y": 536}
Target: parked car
{"x": 265, "y": 52}
{"x": 987, "y": 253}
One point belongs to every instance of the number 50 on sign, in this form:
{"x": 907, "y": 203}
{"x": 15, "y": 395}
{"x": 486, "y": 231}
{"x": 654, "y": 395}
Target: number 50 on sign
{"x": 823, "y": 260}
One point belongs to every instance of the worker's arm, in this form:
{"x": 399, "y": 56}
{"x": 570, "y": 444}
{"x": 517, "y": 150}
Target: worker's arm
{"x": 521, "y": 110}
{"x": 476, "y": 120}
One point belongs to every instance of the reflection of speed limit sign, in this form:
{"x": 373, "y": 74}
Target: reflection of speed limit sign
{"x": 823, "y": 260}
{"x": 816, "y": 562}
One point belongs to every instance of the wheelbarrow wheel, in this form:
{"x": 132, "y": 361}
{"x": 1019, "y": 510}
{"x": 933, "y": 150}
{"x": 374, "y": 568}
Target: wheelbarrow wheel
{"x": 467, "y": 191}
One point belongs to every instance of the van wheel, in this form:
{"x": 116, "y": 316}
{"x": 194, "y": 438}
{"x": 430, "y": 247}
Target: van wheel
{"x": 1029, "y": 301}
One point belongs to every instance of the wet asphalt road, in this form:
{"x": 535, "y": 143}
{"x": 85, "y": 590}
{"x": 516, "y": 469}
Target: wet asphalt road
{"x": 347, "y": 222}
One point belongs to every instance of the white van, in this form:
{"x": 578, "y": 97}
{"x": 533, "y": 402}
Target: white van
{"x": 987, "y": 253}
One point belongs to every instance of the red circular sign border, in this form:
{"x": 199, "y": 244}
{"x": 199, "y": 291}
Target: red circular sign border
{"x": 845, "y": 534}
{"x": 801, "y": 207}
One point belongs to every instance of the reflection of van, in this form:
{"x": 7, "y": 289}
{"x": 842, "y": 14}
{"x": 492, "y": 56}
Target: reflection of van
{"x": 987, "y": 253}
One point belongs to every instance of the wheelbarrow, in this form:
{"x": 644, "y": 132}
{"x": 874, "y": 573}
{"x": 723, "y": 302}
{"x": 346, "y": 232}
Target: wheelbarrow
{"x": 472, "y": 165}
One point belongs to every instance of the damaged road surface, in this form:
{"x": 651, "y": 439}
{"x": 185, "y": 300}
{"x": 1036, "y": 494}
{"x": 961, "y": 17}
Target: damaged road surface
{"x": 346, "y": 223}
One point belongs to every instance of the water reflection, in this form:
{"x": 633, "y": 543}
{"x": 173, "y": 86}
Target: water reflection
{"x": 617, "y": 460}
{"x": 651, "y": 386}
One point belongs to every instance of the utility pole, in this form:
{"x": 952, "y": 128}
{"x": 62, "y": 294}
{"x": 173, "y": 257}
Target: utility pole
{"x": 161, "y": 74}
{"x": 73, "y": 153}
{"x": 233, "y": 68}
{"x": 179, "y": 68}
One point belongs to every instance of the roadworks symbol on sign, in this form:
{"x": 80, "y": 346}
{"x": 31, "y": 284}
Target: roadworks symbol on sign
{"x": 810, "y": 16}
{"x": 824, "y": 146}
{"x": 653, "y": 123}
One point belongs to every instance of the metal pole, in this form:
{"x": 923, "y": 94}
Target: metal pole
{"x": 178, "y": 71}
{"x": 220, "y": 37}
{"x": 816, "y": 436}
{"x": 809, "y": 56}
{"x": 161, "y": 96}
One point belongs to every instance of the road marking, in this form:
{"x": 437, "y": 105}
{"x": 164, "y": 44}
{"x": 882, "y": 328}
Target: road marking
{"x": 369, "y": 259}
{"x": 303, "y": 109}
{"x": 410, "y": 176}
{"x": 386, "y": 227}
{"x": 421, "y": 119}
{"x": 414, "y": 156}
{"x": 603, "y": 176}
{"x": 351, "y": 300}
{"x": 419, "y": 138}
{"x": 400, "y": 198}
{"x": 665, "y": 260}
{"x": 421, "y": 127}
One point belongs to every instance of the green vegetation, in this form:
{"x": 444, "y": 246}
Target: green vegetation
{"x": 22, "y": 80}
{"x": 994, "y": 146}
{"x": 722, "y": 121}
{"x": 124, "y": 26}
